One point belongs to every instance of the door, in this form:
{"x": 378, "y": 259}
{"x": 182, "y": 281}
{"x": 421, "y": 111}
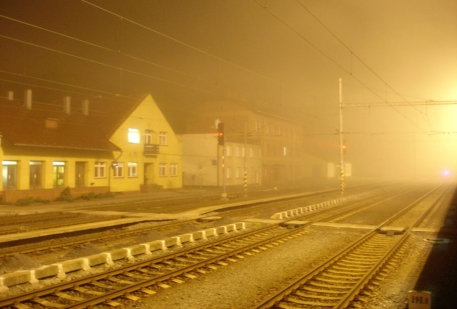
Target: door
{"x": 59, "y": 176}
{"x": 9, "y": 172}
{"x": 149, "y": 174}
{"x": 36, "y": 175}
{"x": 80, "y": 174}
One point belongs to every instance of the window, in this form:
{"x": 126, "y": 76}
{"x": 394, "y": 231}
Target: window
{"x": 237, "y": 172}
{"x": 118, "y": 169}
{"x": 237, "y": 151}
{"x": 228, "y": 151}
{"x": 58, "y": 174}
{"x": 162, "y": 169}
{"x": 133, "y": 169}
{"x": 173, "y": 169}
{"x": 227, "y": 172}
{"x": 163, "y": 138}
{"x": 148, "y": 137}
{"x": 9, "y": 171}
{"x": 251, "y": 152}
{"x": 243, "y": 152}
{"x": 134, "y": 136}
{"x": 284, "y": 152}
{"x": 100, "y": 169}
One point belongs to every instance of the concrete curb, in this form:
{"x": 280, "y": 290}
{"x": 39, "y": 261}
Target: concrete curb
{"x": 285, "y": 215}
{"x": 60, "y": 270}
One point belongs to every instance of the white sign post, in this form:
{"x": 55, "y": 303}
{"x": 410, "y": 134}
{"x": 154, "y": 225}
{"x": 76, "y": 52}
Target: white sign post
{"x": 419, "y": 300}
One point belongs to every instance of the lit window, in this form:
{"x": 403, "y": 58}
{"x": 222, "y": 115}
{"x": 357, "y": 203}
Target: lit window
{"x": 100, "y": 169}
{"x": 118, "y": 169}
{"x": 162, "y": 169}
{"x": 173, "y": 169}
{"x": 58, "y": 174}
{"x": 133, "y": 169}
{"x": 285, "y": 151}
{"x": 134, "y": 136}
{"x": 163, "y": 138}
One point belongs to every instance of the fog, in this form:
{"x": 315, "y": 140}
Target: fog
{"x": 286, "y": 56}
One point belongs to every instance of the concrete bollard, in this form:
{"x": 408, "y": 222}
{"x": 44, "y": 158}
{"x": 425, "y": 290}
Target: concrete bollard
{"x": 147, "y": 251}
{"x": 3, "y": 288}
{"x": 33, "y": 279}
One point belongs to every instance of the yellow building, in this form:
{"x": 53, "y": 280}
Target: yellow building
{"x": 116, "y": 144}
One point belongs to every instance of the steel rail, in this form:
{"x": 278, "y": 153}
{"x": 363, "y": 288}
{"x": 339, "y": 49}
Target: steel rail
{"x": 98, "y": 238}
{"x": 151, "y": 281}
{"x": 284, "y": 293}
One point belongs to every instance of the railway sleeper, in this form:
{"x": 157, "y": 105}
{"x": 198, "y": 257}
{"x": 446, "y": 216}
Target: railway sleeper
{"x": 47, "y": 303}
{"x": 121, "y": 281}
{"x": 317, "y": 290}
{"x": 345, "y": 269}
{"x": 340, "y": 275}
{"x": 68, "y": 296}
{"x": 310, "y": 303}
{"x": 80, "y": 289}
{"x": 368, "y": 251}
{"x": 355, "y": 263}
{"x": 335, "y": 281}
{"x": 103, "y": 285}
{"x": 184, "y": 260}
{"x": 134, "y": 276}
{"x": 363, "y": 256}
{"x": 329, "y": 286}
{"x": 307, "y": 295}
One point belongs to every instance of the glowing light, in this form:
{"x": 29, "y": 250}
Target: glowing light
{"x": 446, "y": 173}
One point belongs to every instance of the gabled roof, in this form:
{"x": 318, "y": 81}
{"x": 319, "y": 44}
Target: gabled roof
{"x": 27, "y": 127}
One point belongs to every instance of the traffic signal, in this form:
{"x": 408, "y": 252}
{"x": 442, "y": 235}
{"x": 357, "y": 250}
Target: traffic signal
{"x": 220, "y": 134}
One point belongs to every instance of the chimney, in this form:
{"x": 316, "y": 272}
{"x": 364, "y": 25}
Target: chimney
{"x": 67, "y": 105}
{"x": 85, "y": 108}
{"x": 10, "y": 95}
{"x": 28, "y": 99}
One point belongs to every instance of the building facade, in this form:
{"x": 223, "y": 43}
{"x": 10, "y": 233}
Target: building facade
{"x": 280, "y": 139}
{"x": 102, "y": 145}
{"x": 205, "y": 163}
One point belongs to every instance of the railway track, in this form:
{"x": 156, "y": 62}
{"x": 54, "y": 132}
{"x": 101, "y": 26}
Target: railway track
{"x": 152, "y": 275}
{"x": 44, "y": 248}
{"x": 341, "y": 281}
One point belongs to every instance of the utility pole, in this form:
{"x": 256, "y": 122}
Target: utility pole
{"x": 224, "y": 193}
{"x": 342, "y": 167}
{"x": 244, "y": 162}
{"x": 221, "y": 142}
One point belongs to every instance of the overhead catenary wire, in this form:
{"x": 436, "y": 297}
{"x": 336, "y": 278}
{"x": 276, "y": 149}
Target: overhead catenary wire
{"x": 123, "y": 18}
{"x": 333, "y": 61}
{"x": 119, "y": 68}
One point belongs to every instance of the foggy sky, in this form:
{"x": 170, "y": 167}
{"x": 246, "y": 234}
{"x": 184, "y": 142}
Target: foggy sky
{"x": 281, "y": 54}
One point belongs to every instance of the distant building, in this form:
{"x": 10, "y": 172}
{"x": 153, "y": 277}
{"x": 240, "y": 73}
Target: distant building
{"x": 117, "y": 144}
{"x": 280, "y": 139}
{"x": 202, "y": 161}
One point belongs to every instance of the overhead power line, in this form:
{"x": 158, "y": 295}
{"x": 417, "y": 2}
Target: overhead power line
{"x": 124, "y": 54}
{"x": 333, "y": 60}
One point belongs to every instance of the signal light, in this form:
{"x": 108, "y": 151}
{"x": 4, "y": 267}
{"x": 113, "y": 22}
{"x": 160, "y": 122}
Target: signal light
{"x": 344, "y": 147}
{"x": 220, "y": 134}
